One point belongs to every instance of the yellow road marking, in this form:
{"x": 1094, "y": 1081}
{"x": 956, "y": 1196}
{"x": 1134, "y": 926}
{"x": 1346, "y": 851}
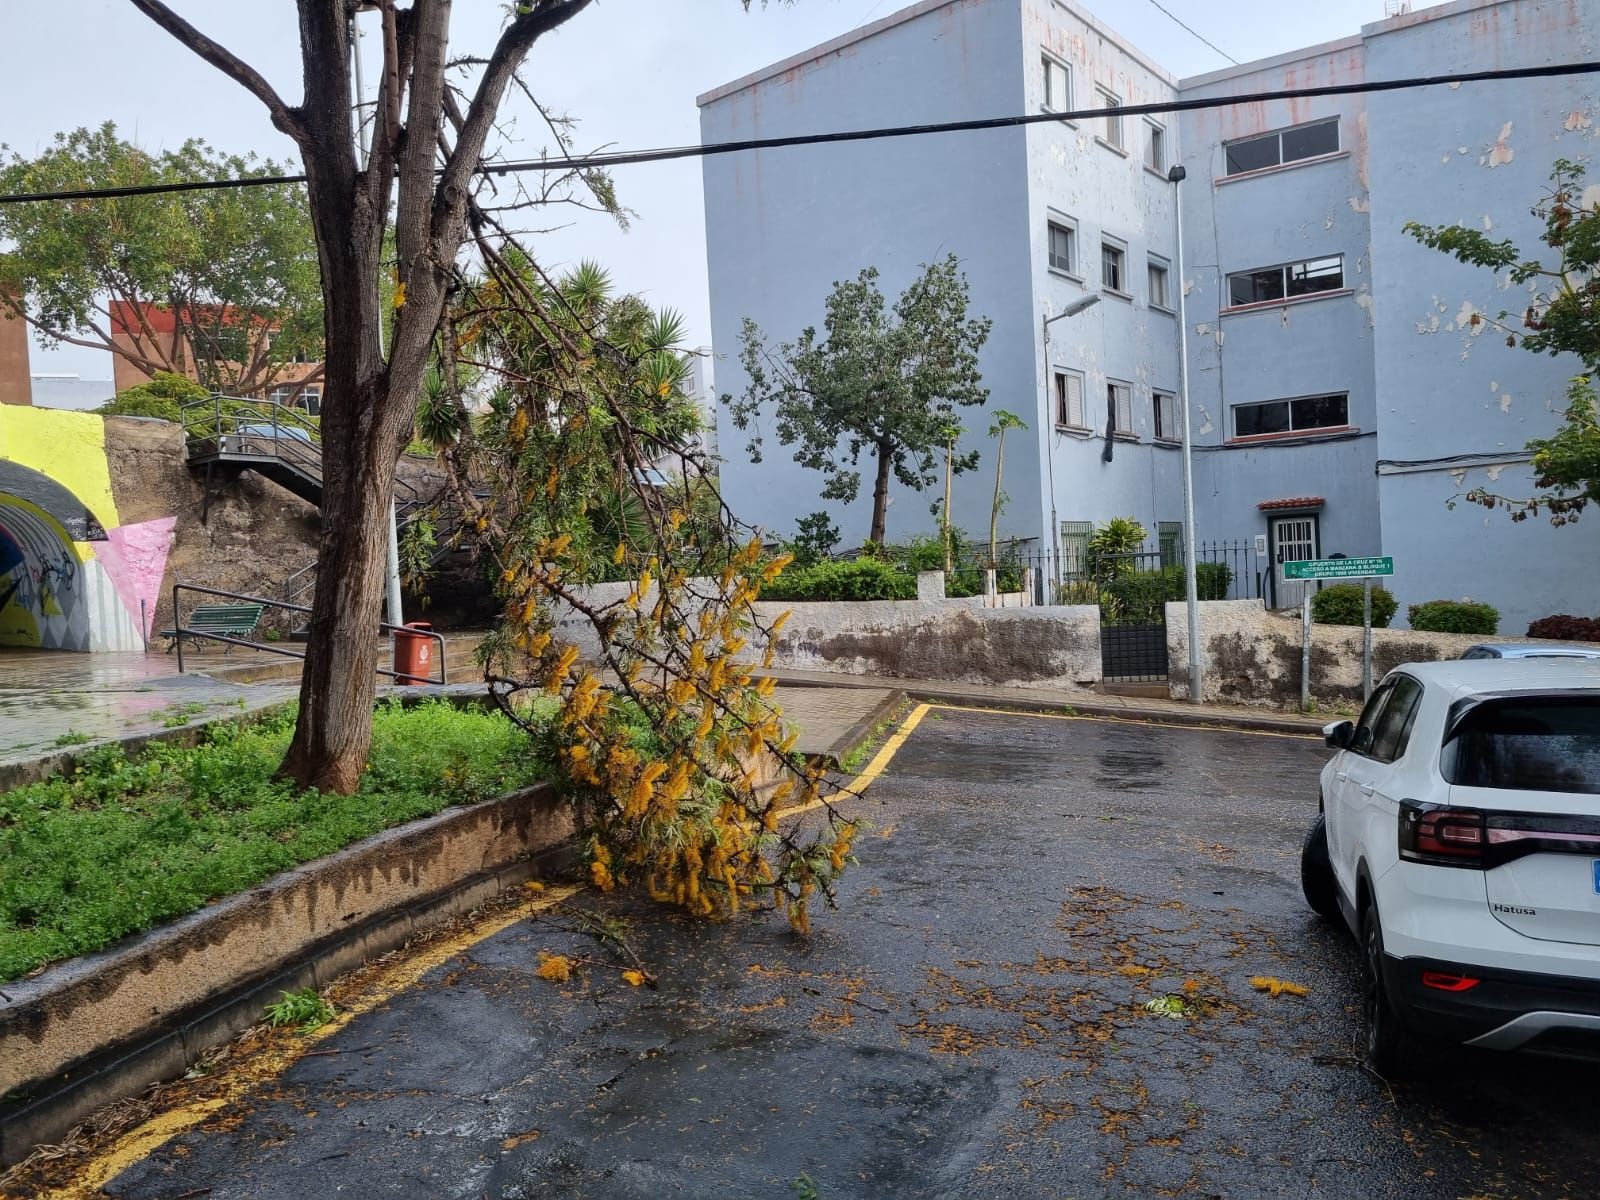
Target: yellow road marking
{"x": 1011, "y": 712}
{"x": 145, "y": 1139}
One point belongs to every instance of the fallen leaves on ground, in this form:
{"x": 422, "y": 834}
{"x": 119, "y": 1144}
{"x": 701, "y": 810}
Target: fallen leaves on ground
{"x": 557, "y": 968}
{"x": 1275, "y": 987}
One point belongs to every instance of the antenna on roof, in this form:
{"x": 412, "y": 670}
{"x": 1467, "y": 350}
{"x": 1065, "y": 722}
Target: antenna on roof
{"x": 1396, "y": 8}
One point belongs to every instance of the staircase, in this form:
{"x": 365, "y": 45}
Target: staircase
{"x": 224, "y": 435}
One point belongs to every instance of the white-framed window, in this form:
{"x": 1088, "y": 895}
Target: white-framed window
{"x": 1165, "y": 407}
{"x": 1114, "y": 266}
{"x": 1057, "y": 84}
{"x": 1063, "y": 245}
{"x": 1286, "y": 281}
{"x": 1159, "y": 273}
{"x": 1068, "y": 389}
{"x": 308, "y": 397}
{"x": 1112, "y": 134}
{"x": 1119, "y": 404}
{"x": 1298, "y": 414}
{"x": 1155, "y": 146}
{"x": 1282, "y": 146}
{"x": 1075, "y": 537}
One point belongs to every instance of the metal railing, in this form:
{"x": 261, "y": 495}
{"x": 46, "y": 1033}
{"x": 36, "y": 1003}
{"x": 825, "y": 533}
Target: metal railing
{"x": 272, "y": 648}
{"x": 1227, "y": 569}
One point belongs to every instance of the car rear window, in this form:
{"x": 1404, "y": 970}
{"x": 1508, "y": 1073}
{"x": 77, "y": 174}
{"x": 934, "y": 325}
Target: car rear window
{"x": 1542, "y": 744}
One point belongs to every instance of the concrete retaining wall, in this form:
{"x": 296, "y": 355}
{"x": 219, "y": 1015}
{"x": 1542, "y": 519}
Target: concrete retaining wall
{"x": 975, "y": 639}
{"x": 1252, "y": 656}
{"x": 105, "y": 1026}
{"x": 962, "y": 641}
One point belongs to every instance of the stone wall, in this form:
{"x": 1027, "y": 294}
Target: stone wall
{"x": 1253, "y": 656}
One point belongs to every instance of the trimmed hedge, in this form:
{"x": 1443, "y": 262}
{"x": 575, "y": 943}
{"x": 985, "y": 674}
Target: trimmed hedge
{"x": 1569, "y": 629}
{"x": 858, "y": 579}
{"x": 1340, "y": 604}
{"x": 1138, "y": 597}
{"x": 1454, "y": 616}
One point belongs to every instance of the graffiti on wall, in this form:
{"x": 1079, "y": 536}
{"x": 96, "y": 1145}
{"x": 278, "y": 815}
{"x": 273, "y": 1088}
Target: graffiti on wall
{"x": 72, "y": 575}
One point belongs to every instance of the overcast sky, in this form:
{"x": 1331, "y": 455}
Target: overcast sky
{"x": 629, "y": 70}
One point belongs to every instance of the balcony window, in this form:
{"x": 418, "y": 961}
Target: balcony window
{"x": 1282, "y": 146}
{"x": 1286, "y": 282}
{"x": 1302, "y": 414}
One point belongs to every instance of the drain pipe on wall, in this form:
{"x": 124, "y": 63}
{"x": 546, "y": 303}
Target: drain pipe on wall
{"x": 1176, "y": 175}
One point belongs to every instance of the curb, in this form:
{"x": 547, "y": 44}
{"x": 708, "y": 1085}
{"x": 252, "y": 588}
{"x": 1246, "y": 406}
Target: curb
{"x": 103, "y": 1027}
{"x": 861, "y": 732}
{"x": 1198, "y": 717}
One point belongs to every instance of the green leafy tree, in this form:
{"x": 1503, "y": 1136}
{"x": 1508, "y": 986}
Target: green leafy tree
{"x": 163, "y": 397}
{"x": 1562, "y": 317}
{"x": 881, "y": 382}
{"x": 234, "y": 269}
{"x": 1003, "y": 420}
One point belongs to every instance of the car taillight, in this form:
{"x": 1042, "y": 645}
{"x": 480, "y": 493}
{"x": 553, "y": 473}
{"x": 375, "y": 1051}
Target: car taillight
{"x": 1448, "y": 981}
{"x": 1440, "y": 836}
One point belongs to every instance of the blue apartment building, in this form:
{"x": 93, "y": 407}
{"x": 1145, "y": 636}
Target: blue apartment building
{"x": 1341, "y": 393}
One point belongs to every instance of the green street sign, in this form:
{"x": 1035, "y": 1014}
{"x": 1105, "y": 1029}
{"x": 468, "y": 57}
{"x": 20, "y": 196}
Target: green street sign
{"x": 1338, "y": 568}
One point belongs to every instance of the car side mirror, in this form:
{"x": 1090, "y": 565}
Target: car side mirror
{"x": 1339, "y": 734}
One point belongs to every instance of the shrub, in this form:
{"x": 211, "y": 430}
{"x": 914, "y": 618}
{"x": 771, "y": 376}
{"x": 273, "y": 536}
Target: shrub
{"x": 1137, "y": 598}
{"x": 1454, "y": 616}
{"x": 1566, "y": 628}
{"x": 1340, "y": 604}
{"x": 858, "y": 579}
{"x": 815, "y": 537}
{"x": 162, "y": 397}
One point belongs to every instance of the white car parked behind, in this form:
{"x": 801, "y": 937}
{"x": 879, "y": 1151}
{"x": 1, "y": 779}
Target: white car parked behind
{"x": 1459, "y": 837}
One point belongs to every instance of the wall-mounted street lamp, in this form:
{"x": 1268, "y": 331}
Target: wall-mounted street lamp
{"x": 1081, "y": 304}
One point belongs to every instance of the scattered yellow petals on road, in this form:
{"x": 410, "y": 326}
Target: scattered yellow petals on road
{"x": 557, "y": 968}
{"x": 1278, "y": 987}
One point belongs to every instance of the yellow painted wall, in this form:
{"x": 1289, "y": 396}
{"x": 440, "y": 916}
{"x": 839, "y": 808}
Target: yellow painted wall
{"x": 69, "y": 447}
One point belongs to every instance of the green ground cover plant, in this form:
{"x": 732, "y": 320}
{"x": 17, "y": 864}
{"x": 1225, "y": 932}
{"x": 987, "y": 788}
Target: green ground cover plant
{"x": 125, "y": 843}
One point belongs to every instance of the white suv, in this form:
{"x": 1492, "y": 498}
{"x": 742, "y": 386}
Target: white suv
{"x": 1459, "y": 837}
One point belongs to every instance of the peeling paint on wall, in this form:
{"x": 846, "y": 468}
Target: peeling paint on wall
{"x": 1501, "y": 152}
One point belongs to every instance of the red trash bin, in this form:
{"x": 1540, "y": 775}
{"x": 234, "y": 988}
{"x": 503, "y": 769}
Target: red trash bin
{"x": 413, "y": 654}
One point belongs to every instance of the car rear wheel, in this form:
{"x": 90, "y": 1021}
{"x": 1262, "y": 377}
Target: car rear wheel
{"x": 1316, "y": 872}
{"x": 1391, "y": 1050}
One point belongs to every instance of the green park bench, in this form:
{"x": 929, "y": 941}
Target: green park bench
{"x": 217, "y": 620}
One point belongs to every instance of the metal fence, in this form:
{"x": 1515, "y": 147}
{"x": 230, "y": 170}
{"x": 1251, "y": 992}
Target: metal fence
{"x": 1227, "y": 569}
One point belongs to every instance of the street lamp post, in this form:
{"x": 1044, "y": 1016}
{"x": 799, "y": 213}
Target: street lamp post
{"x": 1191, "y": 589}
{"x": 1081, "y": 304}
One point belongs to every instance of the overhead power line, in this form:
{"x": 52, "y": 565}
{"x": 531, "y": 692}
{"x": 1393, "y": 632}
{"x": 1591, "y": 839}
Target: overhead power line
{"x": 1177, "y": 20}
{"x": 622, "y": 158}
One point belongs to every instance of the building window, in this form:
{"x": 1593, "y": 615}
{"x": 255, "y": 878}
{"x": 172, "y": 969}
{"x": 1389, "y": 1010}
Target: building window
{"x": 1160, "y": 283}
{"x": 1063, "y": 247}
{"x": 1299, "y": 415}
{"x": 1057, "y": 85}
{"x": 1155, "y": 147}
{"x": 1286, "y": 282}
{"x": 1069, "y": 400}
{"x": 1113, "y": 130}
{"x": 1114, "y": 268}
{"x": 1169, "y": 539}
{"x": 1282, "y": 146}
{"x": 1075, "y": 537}
{"x": 1165, "y": 406}
{"x": 308, "y": 397}
{"x": 1119, "y": 404}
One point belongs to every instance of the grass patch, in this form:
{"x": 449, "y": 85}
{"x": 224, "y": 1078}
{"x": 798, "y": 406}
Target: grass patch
{"x": 72, "y": 737}
{"x": 123, "y": 844}
{"x": 858, "y": 758}
{"x": 305, "y": 1010}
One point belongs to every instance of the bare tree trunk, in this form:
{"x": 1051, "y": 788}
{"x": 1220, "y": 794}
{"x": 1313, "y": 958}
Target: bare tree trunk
{"x": 880, "y": 495}
{"x": 949, "y": 530}
{"x": 994, "y": 509}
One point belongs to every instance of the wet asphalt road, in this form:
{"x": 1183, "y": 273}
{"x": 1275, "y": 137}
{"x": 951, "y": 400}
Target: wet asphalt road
{"x": 970, "y": 1023}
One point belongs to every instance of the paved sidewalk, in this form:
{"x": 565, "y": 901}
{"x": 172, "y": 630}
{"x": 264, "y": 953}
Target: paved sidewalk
{"x": 1081, "y": 700}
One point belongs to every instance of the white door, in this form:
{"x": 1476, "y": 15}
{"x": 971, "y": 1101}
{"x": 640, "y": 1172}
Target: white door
{"x": 1294, "y": 539}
